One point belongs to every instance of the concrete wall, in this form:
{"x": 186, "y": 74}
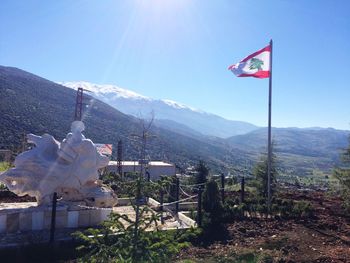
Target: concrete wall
{"x": 155, "y": 170}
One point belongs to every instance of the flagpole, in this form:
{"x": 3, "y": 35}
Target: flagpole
{"x": 269, "y": 146}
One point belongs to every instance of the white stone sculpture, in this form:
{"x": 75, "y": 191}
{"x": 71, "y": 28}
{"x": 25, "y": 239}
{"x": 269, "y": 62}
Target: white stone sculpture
{"x": 69, "y": 168}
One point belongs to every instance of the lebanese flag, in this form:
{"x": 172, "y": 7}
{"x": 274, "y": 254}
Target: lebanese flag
{"x": 256, "y": 65}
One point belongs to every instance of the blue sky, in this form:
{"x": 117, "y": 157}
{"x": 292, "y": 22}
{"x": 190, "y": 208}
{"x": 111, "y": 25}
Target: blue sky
{"x": 180, "y": 50}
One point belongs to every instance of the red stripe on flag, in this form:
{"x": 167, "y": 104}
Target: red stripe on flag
{"x": 232, "y": 66}
{"x": 268, "y": 48}
{"x": 260, "y": 74}
{"x": 109, "y": 146}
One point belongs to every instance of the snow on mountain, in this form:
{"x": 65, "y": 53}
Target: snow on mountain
{"x": 102, "y": 90}
{"x": 135, "y": 104}
{"x": 178, "y": 105}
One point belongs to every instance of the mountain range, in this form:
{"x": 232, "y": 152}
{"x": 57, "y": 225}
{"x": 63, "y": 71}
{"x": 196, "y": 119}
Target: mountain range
{"x": 134, "y": 104}
{"x": 29, "y": 103}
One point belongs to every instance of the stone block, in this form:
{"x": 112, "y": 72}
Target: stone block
{"x": 47, "y": 219}
{"x": 105, "y": 213}
{"x": 12, "y": 222}
{"x": 95, "y": 217}
{"x": 61, "y": 219}
{"x": 73, "y": 217}
{"x": 38, "y": 220}
{"x": 25, "y": 221}
{"x": 3, "y": 225}
{"x": 84, "y": 218}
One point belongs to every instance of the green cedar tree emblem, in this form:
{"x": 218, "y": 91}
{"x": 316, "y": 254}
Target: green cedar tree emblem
{"x": 256, "y": 63}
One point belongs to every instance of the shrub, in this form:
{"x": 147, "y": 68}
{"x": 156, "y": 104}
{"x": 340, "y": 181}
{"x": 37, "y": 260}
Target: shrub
{"x": 343, "y": 176}
{"x": 202, "y": 173}
{"x": 213, "y": 226}
{"x": 116, "y": 242}
{"x": 293, "y": 209}
{"x": 302, "y": 209}
{"x": 261, "y": 174}
{"x": 4, "y": 166}
{"x": 233, "y": 211}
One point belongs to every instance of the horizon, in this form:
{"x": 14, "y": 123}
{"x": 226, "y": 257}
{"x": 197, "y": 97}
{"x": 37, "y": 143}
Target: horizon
{"x": 190, "y": 107}
{"x": 141, "y": 47}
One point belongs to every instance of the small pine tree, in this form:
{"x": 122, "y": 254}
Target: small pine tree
{"x": 202, "y": 172}
{"x": 213, "y": 226}
{"x": 343, "y": 175}
{"x": 124, "y": 239}
{"x": 261, "y": 174}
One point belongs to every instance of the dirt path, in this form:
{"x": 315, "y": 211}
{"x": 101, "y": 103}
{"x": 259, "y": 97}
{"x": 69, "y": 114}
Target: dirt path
{"x": 325, "y": 238}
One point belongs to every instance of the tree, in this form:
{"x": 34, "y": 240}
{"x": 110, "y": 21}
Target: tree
{"x": 343, "y": 175}
{"x": 261, "y": 174}
{"x": 114, "y": 241}
{"x": 256, "y": 63}
{"x": 211, "y": 199}
{"x": 124, "y": 239}
{"x": 202, "y": 172}
{"x": 213, "y": 227}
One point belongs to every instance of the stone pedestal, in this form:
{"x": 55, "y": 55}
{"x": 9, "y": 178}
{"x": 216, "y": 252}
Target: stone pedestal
{"x": 18, "y": 217}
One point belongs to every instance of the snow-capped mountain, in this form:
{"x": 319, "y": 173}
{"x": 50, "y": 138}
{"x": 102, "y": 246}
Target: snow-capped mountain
{"x": 135, "y": 104}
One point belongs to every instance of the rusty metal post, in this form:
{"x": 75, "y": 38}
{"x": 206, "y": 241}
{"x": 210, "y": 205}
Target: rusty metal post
{"x": 199, "y": 207}
{"x": 53, "y": 218}
{"x": 242, "y": 189}
{"x": 222, "y": 188}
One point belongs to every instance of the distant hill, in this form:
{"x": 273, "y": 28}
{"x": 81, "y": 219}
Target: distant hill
{"x": 30, "y": 104}
{"x": 178, "y": 128}
{"x": 132, "y": 103}
{"x": 299, "y": 150}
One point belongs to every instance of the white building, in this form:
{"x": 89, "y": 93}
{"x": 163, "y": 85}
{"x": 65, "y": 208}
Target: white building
{"x": 155, "y": 168}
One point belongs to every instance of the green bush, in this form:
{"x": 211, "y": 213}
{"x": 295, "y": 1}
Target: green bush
{"x": 212, "y": 223}
{"x": 4, "y": 166}
{"x": 292, "y": 209}
{"x": 233, "y": 210}
{"x": 302, "y": 209}
{"x": 202, "y": 173}
{"x": 343, "y": 176}
{"x": 121, "y": 239}
{"x": 116, "y": 241}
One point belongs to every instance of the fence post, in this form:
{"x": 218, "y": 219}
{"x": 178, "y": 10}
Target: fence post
{"x": 199, "y": 207}
{"x": 222, "y": 188}
{"x": 242, "y": 189}
{"x": 148, "y": 178}
{"x": 177, "y": 194}
{"x": 161, "y": 205}
{"x": 53, "y": 217}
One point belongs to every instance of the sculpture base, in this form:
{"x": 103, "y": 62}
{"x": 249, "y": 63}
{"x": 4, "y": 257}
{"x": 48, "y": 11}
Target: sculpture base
{"x": 19, "y": 217}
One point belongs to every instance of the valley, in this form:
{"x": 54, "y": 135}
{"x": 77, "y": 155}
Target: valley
{"x": 30, "y": 104}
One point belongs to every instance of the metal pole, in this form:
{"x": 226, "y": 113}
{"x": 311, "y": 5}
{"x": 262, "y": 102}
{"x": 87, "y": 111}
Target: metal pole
{"x": 222, "y": 188}
{"x": 138, "y": 197}
{"x": 53, "y": 217}
{"x": 177, "y": 195}
{"x": 199, "y": 207}
{"x": 79, "y": 105}
{"x": 161, "y": 206}
{"x": 148, "y": 181}
{"x": 120, "y": 158}
{"x": 269, "y": 156}
{"x": 242, "y": 190}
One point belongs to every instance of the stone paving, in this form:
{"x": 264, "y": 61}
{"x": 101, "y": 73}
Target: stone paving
{"x": 22, "y": 236}
{"x": 170, "y": 222}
